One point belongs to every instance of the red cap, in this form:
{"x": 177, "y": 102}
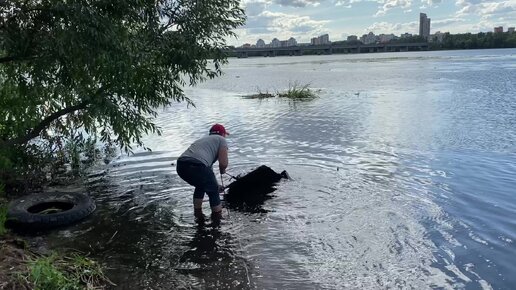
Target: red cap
{"x": 218, "y": 129}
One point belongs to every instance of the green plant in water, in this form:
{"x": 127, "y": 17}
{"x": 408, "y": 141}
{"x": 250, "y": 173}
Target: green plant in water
{"x": 46, "y": 276}
{"x": 74, "y": 271}
{"x": 295, "y": 92}
{"x": 86, "y": 270}
{"x": 298, "y": 92}
{"x": 260, "y": 95}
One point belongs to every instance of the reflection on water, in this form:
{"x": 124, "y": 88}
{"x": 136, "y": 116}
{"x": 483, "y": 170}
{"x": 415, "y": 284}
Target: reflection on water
{"x": 403, "y": 178}
{"x": 211, "y": 259}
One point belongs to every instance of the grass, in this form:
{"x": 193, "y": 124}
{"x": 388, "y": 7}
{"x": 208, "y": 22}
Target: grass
{"x": 73, "y": 271}
{"x": 44, "y": 275}
{"x": 260, "y": 95}
{"x": 295, "y": 92}
{"x": 298, "y": 92}
{"x": 20, "y": 268}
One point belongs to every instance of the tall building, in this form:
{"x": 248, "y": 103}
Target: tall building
{"x": 424, "y": 26}
{"x": 369, "y": 38}
{"x": 498, "y": 29}
{"x": 352, "y": 38}
{"x": 325, "y": 39}
{"x": 275, "y": 43}
{"x": 384, "y": 38}
{"x": 321, "y": 40}
{"x": 510, "y": 29}
{"x": 291, "y": 42}
{"x": 260, "y": 43}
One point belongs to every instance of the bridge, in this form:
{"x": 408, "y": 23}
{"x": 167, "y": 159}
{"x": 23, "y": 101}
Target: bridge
{"x": 328, "y": 49}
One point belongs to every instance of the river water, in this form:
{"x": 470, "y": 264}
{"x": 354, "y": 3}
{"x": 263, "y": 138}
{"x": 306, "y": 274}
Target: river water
{"x": 403, "y": 177}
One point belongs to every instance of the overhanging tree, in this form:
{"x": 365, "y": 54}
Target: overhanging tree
{"x": 104, "y": 65}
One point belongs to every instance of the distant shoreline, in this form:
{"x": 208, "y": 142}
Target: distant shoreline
{"x": 448, "y": 41}
{"x": 331, "y": 50}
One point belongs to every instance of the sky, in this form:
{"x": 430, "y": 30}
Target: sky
{"x": 304, "y": 19}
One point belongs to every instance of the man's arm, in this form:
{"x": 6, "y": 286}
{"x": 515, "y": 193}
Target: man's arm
{"x": 223, "y": 159}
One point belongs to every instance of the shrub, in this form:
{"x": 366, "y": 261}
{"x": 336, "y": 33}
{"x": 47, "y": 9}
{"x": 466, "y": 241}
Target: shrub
{"x": 298, "y": 92}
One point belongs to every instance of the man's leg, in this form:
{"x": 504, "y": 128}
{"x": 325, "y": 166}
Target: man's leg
{"x": 191, "y": 173}
{"x": 198, "y": 196}
{"x": 212, "y": 190}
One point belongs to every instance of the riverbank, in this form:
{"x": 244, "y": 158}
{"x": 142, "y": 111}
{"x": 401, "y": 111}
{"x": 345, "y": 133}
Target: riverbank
{"x": 448, "y": 41}
{"x": 26, "y": 262}
{"x": 13, "y": 262}
{"x": 23, "y": 266}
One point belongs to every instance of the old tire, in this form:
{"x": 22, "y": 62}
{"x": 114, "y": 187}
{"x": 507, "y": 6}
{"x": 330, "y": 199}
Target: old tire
{"x": 49, "y": 210}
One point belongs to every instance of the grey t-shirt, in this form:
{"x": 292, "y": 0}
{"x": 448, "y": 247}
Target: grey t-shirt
{"x": 206, "y": 149}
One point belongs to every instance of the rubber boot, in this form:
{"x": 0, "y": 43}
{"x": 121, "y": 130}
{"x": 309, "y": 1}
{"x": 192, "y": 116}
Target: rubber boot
{"x": 216, "y": 217}
{"x": 200, "y": 218}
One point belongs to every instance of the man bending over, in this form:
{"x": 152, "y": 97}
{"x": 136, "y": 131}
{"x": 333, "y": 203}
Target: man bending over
{"x": 195, "y": 167}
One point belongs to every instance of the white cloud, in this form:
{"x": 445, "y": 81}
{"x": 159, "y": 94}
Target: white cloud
{"x": 485, "y": 9}
{"x": 268, "y": 25}
{"x": 253, "y": 8}
{"x": 396, "y": 28}
{"x": 492, "y": 13}
{"x": 348, "y": 3}
{"x": 298, "y": 3}
{"x": 344, "y": 3}
{"x": 430, "y": 3}
{"x": 447, "y": 22}
{"x": 391, "y": 4}
{"x": 282, "y": 22}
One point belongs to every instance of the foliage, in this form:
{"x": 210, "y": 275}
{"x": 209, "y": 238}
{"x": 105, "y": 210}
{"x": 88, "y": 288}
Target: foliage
{"x": 409, "y": 39}
{"x": 46, "y": 276}
{"x": 74, "y": 271}
{"x": 70, "y": 70}
{"x": 23, "y": 167}
{"x": 295, "y": 92}
{"x": 260, "y": 95}
{"x": 477, "y": 41}
{"x": 298, "y": 92}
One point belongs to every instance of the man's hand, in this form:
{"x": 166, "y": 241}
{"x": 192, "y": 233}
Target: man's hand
{"x": 223, "y": 159}
{"x": 221, "y": 188}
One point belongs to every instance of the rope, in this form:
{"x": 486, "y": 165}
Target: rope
{"x": 237, "y": 239}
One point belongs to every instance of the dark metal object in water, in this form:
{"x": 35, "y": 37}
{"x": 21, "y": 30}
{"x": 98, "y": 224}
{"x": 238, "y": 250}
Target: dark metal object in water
{"x": 253, "y": 188}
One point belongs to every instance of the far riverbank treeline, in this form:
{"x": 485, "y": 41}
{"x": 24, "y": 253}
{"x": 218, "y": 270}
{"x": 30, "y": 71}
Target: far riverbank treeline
{"x": 476, "y": 41}
{"x": 482, "y": 40}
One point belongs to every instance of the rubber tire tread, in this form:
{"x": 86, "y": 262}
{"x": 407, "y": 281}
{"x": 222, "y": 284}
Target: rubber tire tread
{"x": 18, "y": 215}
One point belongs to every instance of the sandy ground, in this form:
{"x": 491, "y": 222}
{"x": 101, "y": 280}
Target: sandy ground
{"x": 13, "y": 262}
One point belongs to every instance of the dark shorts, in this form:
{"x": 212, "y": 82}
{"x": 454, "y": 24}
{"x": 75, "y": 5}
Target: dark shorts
{"x": 201, "y": 177}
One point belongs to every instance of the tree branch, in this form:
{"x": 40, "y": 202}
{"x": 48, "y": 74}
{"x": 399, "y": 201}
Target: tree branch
{"x": 54, "y": 116}
{"x": 5, "y": 59}
{"x": 46, "y": 122}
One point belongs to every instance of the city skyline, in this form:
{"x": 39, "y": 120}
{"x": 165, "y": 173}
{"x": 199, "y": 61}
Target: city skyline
{"x": 371, "y": 37}
{"x": 305, "y": 19}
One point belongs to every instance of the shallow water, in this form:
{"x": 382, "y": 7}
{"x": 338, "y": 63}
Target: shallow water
{"x": 404, "y": 176}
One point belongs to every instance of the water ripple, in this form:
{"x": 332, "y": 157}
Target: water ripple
{"x": 403, "y": 175}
